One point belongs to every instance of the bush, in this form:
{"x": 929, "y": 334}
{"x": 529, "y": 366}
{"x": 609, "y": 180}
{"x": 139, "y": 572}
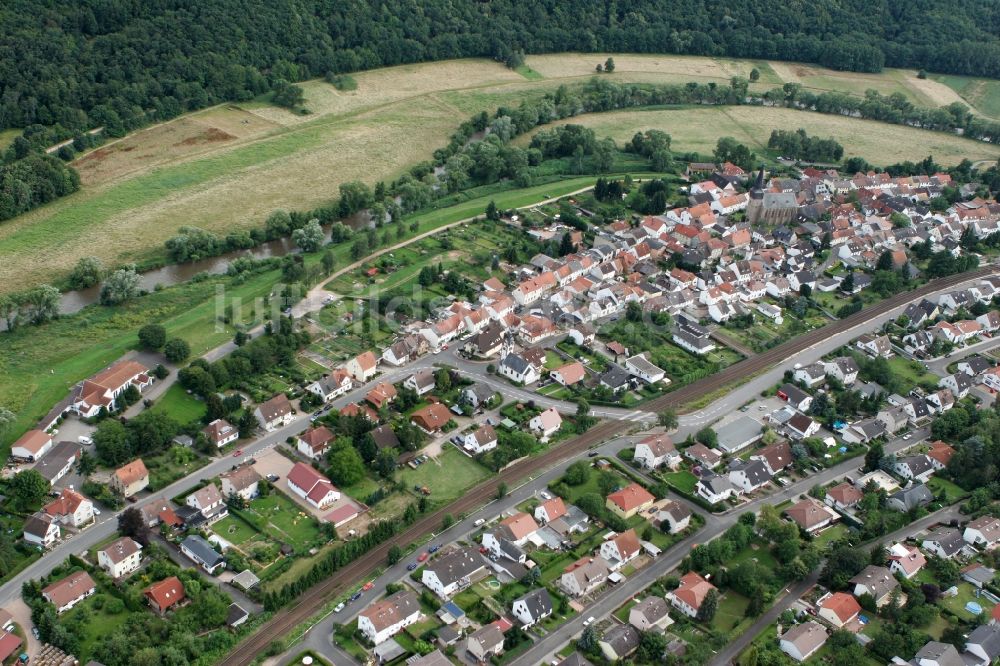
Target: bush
{"x": 176, "y": 350}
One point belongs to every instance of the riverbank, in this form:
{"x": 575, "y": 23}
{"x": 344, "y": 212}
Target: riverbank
{"x": 39, "y": 365}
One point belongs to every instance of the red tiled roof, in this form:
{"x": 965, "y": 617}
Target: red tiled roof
{"x": 630, "y": 497}
{"x": 167, "y": 593}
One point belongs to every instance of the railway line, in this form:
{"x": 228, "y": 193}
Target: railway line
{"x": 313, "y": 599}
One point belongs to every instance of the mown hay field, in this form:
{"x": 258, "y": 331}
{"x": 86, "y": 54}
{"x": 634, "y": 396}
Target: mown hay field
{"x": 229, "y": 166}
{"x": 698, "y": 129}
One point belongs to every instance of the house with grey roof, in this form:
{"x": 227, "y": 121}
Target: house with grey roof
{"x": 946, "y": 542}
{"x": 750, "y": 475}
{"x": 202, "y": 553}
{"x": 533, "y": 607}
{"x": 738, "y": 434}
{"x": 984, "y": 642}
{"x": 907, "y": 499}
{"x": 620, "y": 641}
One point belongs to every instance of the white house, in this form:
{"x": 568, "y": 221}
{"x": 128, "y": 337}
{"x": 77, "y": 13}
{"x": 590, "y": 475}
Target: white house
{"x": 334, "y": 385}
{"x": 480, "y": 440}
{"x": 421, "y": 381}
{"x": 641, "y": 367}
{"x": 533, "y": 607}
{"x": 32, "y": 445}
{"x": 803, "y": 640}
{"x": 621, "y": 549}
{"x": 242, "y": 481}
{"x": 69, "y": 591}
{"x": 844, "y": 369}
{"x": 549, "y": 510}
{"x": 362, "y": 367}
{"x": 749, "y": 476}
{"x": 41, "y": 530}
{"x": 547, "y": 423}
{"x": 274, "y": 413}
{"x": 384, "y": 619}
{"x": 221, "y": 432}
{"x": 70, "y": 508}
{"x": 120, "y": 558}
{"x": 917, "y": 468}
{"x": 657, "y": 450}
{"x": 691, "y": 592}
{"x": 585, "y": 575}
{"x": 314, "y": 442}
{"x": 517, "y": 369}
{"x": 312, "y": 486}
{"x": 983, "y": 532}
{"x": 103, "y": 389}
{"x": 453, "y": 571}
{"x": 905, "y": 561}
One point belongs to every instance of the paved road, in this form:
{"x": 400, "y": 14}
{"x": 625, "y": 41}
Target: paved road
{"x": 108, "y": 523}
{"x": 319, "y": 637}
{"x": 733, "y": 649}
{"x": 714, "y": 527}
{"x": 940, "y": 365}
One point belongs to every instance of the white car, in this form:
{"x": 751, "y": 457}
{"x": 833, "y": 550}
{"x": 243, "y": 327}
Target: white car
{"x": 588, "y": 621}
{"x": 339, "y": 607}
{"x": 907, "y": 436}
{"x": 97, "y": 511}
{"x": 479, "y": 521}
{"x": 545, "y": 496}
{"x": 86, "y": 441}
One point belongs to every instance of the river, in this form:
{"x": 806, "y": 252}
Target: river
{"x": 173, "y": 274}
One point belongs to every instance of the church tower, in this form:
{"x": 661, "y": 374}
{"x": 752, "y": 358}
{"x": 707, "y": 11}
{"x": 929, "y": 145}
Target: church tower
{"x": 755, "y": 208}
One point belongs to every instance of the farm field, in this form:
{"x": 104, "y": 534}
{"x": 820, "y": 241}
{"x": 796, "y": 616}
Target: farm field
{"x": 697, "y": 129}
{"x": 982, "y": 95}
{"x": 227, "y": 167}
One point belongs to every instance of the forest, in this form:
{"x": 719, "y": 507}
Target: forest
{"x": 76, "y": 65}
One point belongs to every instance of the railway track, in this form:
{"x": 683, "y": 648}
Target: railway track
{"x": 313, "y": 599}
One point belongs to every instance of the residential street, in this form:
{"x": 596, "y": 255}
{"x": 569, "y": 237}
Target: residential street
{"x": 689, "y": 423}
{"x": 733, "y": 649}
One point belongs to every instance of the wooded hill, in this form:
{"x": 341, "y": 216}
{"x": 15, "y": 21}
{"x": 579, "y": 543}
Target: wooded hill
{"x": 78, "y": 64}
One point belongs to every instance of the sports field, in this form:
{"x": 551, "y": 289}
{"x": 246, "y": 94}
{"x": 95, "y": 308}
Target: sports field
{"x": 229, "y": 166}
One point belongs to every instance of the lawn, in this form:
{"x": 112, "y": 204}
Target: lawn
{"x": 952, "y": 492}
{"x": 175, "y": 463}
{"x": 179, "y": 405}
{"x": 448, "y": 476}
{"x": 732, "y": 611}
{"x": 982, "y": 94}
{"x": 830, "y": 534}
{"x": 966, "y": 593}
{"x": 911, "y": 373}
{"x": 99, "y": 623}
{"x": 296, "y": 526}
{"x": 756, "y": 551}
{"x": 234, "y": 530}
{"x": 683, "y": 480}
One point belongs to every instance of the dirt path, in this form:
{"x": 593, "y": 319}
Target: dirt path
{"x": 314, "y": 299}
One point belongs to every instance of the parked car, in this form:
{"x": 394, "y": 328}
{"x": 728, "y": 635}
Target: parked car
{"x": 356, "y": 596}
{"x": 367, "y": 586}
{"x": 479, "y": 521}
{"x": 86, "y": 441}
{"x": 237, "y": 453}
{"x": 339, "y": 607}
{"x": 434, "y": 549}
{"x": 422, "y": 557}
{"x": 273, "y": 477}
{"x": 545, "y": 495}
{"x": 411, "y": 566}
{"x": 588, "y": 621}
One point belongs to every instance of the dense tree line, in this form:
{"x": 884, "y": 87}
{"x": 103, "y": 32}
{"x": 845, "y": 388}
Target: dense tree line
{"x": 122, "y": 64}
{"x": 32, "y": 181}
{"x": 801, "y": 146}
